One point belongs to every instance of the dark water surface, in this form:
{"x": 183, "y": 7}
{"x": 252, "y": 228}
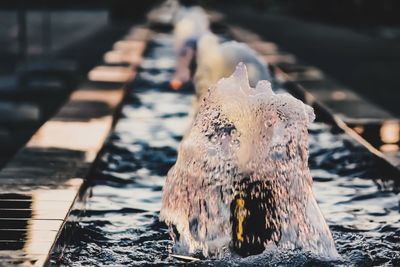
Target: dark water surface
{"x": 356, "y": 193}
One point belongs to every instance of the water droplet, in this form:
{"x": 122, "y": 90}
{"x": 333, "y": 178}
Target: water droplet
{"x": 214, "y": 139}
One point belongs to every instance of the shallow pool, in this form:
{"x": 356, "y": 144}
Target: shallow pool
{"x": 356, "y": 192}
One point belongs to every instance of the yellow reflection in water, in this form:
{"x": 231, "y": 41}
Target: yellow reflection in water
{"x": 240, "y": 211}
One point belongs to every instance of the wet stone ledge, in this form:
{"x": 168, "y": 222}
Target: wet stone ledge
{"x": 45, "y": 179}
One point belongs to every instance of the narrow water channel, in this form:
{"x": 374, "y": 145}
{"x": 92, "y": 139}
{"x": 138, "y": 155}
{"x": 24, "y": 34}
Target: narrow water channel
{"x": 121, "y": 226}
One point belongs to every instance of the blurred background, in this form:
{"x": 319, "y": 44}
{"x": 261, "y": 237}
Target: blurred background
{"x": 47, "y": 47}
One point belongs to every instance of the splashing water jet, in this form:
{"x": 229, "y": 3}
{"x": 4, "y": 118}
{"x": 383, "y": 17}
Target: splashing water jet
{"x": 241, "y": 179}
{"x": 192, "y": 24}
{"x": 215, "y": 61}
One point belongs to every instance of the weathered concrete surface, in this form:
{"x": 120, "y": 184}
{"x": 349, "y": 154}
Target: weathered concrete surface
{"x": 41, "y": 184}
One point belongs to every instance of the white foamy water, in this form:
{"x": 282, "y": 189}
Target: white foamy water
{"x": 241, "y": 179}
{"x": 216, "y": 61}
{"x": 191, "y": 24}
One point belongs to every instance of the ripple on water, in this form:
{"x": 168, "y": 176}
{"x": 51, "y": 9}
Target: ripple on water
{"x": 121, "y": 226}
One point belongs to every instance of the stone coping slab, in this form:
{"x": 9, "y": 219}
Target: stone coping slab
{"x": 44, "y": 181}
